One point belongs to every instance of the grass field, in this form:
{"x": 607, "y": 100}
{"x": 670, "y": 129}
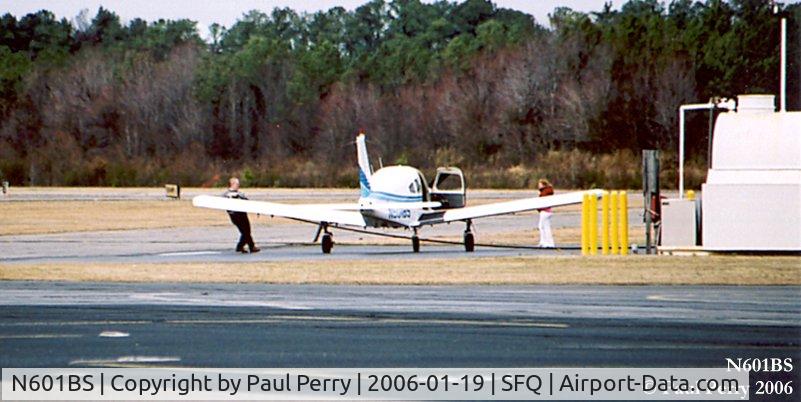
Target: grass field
{"x": 80, "y": 216}
{"x": 631, "y": 270}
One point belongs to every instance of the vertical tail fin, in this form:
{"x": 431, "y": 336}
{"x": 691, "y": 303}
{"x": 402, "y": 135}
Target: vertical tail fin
{"x": 365, "y": 172}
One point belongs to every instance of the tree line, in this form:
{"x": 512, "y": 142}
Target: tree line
{"x": 278, "y": 97}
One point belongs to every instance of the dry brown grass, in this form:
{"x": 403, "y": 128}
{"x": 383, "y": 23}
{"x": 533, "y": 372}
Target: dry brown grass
{"x": 41, "y": 217}
{"x": 153, "y": 211}
{"x": 631, "y": 270}
{"x": 37, "y": 217}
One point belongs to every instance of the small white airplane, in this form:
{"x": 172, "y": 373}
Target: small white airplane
{"x": 397, "y": 197}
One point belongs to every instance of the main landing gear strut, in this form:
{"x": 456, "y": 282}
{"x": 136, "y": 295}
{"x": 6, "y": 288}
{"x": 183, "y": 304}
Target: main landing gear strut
{"x": 469, "y": 241}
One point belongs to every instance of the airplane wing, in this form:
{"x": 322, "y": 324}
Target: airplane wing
{"x": 336, "y": 214}
{"x": 509, "y": 207}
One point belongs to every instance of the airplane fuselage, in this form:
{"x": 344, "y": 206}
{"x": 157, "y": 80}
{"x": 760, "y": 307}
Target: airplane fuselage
{"x": 395, "y": 196}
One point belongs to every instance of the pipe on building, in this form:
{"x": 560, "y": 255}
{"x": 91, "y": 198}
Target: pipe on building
{"x": 783, "y": 80}
{"x": 724, "y": 104}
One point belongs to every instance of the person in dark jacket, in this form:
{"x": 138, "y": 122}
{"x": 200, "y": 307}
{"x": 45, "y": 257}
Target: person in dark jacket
{"x": 240, "y": 219}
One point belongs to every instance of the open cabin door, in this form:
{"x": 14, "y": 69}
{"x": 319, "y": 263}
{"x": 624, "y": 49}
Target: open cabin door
{"x": 448, "y": 188}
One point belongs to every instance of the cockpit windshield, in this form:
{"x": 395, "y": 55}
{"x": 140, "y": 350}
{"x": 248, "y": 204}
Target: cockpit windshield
{"x": 414, "y": 186}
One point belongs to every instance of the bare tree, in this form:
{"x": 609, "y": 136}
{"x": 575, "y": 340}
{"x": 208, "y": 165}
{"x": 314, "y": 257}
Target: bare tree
{"x": 673, "y": 85}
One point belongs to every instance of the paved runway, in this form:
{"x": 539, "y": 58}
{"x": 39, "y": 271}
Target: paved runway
{"x": 61, "y": 324}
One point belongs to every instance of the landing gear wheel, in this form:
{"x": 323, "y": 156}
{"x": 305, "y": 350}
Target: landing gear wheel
{"x": 469, "y": 242}
{"x": 328, "y": 243}
{"x": 415, "y": 244}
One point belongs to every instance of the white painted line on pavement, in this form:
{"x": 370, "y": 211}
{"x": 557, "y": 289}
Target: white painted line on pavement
{"x": 114, "y": 334}
{"x": 127, "y": 359}
{"x": 40, "y": 336}
{"x": 189, "y": 253}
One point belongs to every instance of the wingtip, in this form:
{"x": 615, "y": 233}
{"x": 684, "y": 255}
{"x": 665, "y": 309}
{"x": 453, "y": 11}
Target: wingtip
{"x": 198, "y": 199}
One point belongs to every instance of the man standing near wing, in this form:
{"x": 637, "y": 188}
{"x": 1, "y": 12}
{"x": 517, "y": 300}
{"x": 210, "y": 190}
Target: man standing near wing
{"x": 240, "y": 219}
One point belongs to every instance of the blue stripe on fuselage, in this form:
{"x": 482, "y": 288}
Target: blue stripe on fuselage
{"x": 395, "y": 197}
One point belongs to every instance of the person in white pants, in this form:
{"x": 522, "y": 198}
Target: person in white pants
{"x": 544, "y": 226}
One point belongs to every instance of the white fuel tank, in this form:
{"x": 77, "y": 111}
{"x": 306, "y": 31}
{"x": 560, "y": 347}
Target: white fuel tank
{"x": 752, "y": 195}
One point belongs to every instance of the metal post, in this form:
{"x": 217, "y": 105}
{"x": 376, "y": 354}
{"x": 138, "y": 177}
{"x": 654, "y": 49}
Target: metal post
{"x": 585, "y": 227}
{"x": 647, "y": 155}
{"x": 650, "y": 191}
{"x": 593, "y": 222}
{"x": 699, "y": 238}
{"x": 605, "y": 223}
{"x": 681, "y": 151}
{"x": 613, "y": 235}
{"x": 648, "y": 230}
{"x": 624, "y": 223}
{"x": 711, "y": 133}
{"x": 783, "y": 89}
{"x": 723, "y": 104}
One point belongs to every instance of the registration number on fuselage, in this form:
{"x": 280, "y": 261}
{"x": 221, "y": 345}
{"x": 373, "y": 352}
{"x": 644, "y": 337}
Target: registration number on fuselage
{"x": 399, "y": 214}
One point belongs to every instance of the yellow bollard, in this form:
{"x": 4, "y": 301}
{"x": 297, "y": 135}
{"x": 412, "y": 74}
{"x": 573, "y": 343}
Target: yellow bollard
{"x": 624, "y": 223}
{"x": 593, "y": 224}
{"x": 613, "y": 235}
{"x": 585, "y": 236}
{"x": 605, "y": 223}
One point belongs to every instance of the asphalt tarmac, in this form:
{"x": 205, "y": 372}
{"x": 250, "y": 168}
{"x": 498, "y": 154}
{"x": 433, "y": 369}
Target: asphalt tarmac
{"x": 279, "y": 242}
{"x": 290, "y": 252}
{"x": 46, "y": 324}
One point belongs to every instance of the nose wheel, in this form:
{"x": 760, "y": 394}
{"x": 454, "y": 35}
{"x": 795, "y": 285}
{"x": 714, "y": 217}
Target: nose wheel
{"x": 415, "y": 242}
